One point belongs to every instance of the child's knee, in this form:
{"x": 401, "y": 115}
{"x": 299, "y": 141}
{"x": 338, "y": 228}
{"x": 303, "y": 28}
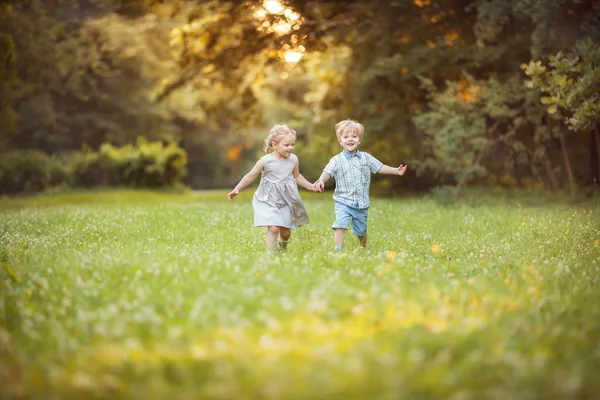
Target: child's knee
{"x": 285, "y": 233}
{"x": 274, "y": 230}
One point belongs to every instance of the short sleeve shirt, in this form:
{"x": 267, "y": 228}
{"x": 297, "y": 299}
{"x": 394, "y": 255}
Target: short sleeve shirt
{"x": 352, "y": 173}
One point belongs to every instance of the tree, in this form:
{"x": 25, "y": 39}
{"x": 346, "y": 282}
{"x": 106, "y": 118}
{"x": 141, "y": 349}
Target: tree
{"x": 8, "y": 79}
{"x": 571, "y": 87}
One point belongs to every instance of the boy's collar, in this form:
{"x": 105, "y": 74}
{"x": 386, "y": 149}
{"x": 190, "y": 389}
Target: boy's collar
{"x": 349, "y": 156}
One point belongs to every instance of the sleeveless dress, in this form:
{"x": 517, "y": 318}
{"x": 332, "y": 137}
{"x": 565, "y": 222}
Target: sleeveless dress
{"x": 276, "y": 200}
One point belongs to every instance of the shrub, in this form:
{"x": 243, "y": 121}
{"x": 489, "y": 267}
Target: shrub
{"x": 88, "y": 168}
{"x": 145, "y": 164}
{"x": 29, "y": 171}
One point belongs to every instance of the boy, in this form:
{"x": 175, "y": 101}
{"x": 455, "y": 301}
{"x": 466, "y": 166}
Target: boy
{"x": 352, "y": 172}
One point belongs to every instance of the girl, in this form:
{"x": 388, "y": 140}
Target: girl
{"x": 277, "y": 204}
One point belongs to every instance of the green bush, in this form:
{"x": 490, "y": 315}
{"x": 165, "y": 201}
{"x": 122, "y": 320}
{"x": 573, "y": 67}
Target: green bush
{"x": 88, "y": 168}
{"x": 29, "y": 171}
{"x": 145, "y": 164}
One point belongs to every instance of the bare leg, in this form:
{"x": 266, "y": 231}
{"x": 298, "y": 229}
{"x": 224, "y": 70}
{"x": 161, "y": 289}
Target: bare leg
{"x": 284, "y": 235}
{"x": 338, "y": 237}
{"x": 272, "y": 233}
{"x": 362, "y": 240}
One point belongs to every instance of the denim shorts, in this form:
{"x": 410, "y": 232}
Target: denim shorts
{"x": 344, "y": 213}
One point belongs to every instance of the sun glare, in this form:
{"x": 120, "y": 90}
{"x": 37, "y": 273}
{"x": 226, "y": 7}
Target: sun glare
{"x": 293, "y": 56}
{"x": 274, "y": 17}
{"x": 260, "y": 13}
{"x": 273, "y": 6}
{"x": 292, "y": 16}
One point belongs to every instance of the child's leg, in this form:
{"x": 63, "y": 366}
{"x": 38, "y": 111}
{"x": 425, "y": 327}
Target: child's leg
{"x": 338, "y": 238}
{"x": 359, "y": 225}
{"x": 272, "y": 233}
{"x": 363, "y": 240}
{"x": 284, "y": 235}
{"x": 340, "y": 225}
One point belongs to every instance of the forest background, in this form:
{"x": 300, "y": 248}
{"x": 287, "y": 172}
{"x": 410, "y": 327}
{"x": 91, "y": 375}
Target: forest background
{"x": 151, "y": 93}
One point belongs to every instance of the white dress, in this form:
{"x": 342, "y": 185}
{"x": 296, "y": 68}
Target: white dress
{"x": 276, "y": 201}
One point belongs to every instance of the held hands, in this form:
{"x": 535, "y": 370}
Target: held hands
{"x": 318, "y": 186}
{"x": 401, "y": 169}
{"x": 232, "y": 194}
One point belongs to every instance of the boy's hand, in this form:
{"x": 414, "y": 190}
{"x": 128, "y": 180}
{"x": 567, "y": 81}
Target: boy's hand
{"x": 232, "y": 194}
{"x": 401, "y": 169}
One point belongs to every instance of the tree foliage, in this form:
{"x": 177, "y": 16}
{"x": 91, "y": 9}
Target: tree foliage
{"x": 571, "y": 85}
{"x": 216, "y": 74}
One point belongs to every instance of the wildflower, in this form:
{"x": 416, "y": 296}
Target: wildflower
{"x": 507, "y": 281}
{"x": 522, "y": 223}
{"x": 435, "y": 248}
{"x": 29, "y": 292}
{"x": 596, "y": 242}
{"x": 391, "y": 255}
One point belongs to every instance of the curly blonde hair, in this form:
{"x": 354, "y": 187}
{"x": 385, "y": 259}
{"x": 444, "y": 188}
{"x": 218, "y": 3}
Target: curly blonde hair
{"x": 275, "y": 134}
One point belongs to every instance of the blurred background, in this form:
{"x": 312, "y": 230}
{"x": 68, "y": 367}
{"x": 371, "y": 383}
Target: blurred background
{"x": 149, "y": 93}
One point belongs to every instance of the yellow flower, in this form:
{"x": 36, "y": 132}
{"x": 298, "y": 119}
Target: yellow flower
{"x": 596, "y": 242}
{"x": 257, "y": 273}
{"x": 507, "y": 281}
{"x": 29, "y": 292}
{"x": 435, "y": 248}
{"x": 522, "y": 223}
{"x": 391, "y": 255}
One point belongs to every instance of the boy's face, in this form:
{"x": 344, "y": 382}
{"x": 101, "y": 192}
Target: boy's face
{"x": 349, "y": 141}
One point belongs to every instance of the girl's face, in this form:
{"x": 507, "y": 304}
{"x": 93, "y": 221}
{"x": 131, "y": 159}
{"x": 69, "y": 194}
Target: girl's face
{"x": 350, "y": 141}
{"x": 284, "y": 148}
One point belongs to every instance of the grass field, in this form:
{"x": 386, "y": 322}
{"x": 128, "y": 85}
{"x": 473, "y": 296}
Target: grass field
{"x": 145, "y": 295}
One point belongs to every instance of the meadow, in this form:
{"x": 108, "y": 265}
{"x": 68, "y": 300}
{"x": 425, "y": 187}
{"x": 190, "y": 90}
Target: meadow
{"x": 127, "y": 295}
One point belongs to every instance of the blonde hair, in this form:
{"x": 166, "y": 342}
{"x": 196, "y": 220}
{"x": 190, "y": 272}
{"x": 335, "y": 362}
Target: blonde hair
{"x": 349, "y": 126}
{"x": 275, "y": 134}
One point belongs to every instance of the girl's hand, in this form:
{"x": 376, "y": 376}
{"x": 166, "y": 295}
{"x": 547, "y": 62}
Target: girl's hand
{"x": 232, "y": 194}
{"x": 401, "y": 169}
{"x": 318, "y": 185}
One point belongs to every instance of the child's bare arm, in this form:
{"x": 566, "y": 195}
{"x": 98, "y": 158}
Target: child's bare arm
{"x": 247, "y": 179}
{"x": 301, "y": 180}
{"x": 320, "y": 183}
{"x": 386, "y": 169}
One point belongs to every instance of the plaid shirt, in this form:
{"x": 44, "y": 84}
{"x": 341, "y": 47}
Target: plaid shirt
{"x": 352, "y": 173}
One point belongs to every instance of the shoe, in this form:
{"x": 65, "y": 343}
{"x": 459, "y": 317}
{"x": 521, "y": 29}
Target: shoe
{"x": 337, "y": 248}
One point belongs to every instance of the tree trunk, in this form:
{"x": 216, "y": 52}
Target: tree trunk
{"x": 567, "y": 161}
{"x": 595, "y": 156}
{"x": 551, "y": 175}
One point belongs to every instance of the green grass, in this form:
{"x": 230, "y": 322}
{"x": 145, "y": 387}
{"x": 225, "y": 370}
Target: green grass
{"x": 123, "y": 294}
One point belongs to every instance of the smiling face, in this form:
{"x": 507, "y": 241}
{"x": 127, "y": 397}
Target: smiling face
{"x": 285, "y": 147}
{"x": 349, "y": 141}
{"x": 349, "y": 134}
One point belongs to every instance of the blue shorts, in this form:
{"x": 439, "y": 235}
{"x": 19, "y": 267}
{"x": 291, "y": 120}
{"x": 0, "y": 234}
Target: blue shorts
{"x": 344, "y": 213}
